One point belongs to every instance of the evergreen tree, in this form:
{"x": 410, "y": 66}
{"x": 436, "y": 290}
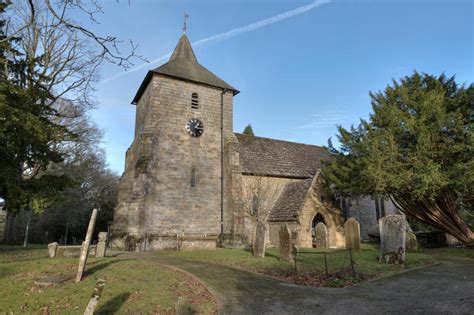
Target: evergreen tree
{"x": 248, "y": 130}
{"x": 417, "y": 148}
{"x": 27, "y": 132}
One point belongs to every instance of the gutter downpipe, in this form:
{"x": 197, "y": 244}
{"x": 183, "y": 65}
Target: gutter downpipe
{"x": 221, "y": 236}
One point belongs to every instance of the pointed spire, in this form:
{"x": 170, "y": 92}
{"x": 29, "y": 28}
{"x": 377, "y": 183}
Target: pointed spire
{"x": 183, "y": 65}
{"x": 183, "y": 50}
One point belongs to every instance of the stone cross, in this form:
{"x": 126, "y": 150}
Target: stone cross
{"x": 85, "y": 246}
{"x": 321, "y": 235}
{"x": 258, "y": 247}
{"x": 392, "y": 238}
{"x": 352, "y": 234}
{"x": 101, "y": 245}
{"x": 285, "y": 244}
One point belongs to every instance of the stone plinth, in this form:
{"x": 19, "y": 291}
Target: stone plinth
{"x": 49, "y": 281}
{"x": 101, "y": 245}
{"x": 52, "y": 248}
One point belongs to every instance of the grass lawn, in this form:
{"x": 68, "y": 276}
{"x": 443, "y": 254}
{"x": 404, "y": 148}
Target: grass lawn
{"x": 310, "y": 265}
{"x": 450, "y": 253}
{"x": 132, "y": 286}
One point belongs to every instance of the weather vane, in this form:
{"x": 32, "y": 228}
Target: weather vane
{"x": 185, "y": 25}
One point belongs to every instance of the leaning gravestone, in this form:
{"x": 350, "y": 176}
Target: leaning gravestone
{"x": 258, "y": 247}
{"x": 94, "y": 300}
{"x": 321, "y": 235}
{"x": 101, "y": 245}
{"x": 352, "y": 234}
{"x": 285, "y": 243}
{"x": 85, "y": 246}
{"x": 392, "y": 239}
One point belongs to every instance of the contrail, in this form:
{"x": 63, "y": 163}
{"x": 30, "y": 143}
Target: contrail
{"x": 229, "y": 34}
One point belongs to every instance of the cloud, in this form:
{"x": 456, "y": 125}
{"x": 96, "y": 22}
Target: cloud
{"x": 229, "y": 34}
{"x": 324, "y": 120}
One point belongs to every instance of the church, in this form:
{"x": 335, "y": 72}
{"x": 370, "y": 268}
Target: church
{"x": 190, "y": 182}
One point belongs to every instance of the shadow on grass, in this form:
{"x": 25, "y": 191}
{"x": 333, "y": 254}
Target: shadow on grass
{"x": 98, "y": 265}
{"x": 113, "y": 305}
{"x": 274, "y": 255}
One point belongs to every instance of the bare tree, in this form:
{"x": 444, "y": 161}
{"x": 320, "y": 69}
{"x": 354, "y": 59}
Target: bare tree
{"x": 51, "y": 50}
{"x": 108, "y": 47}
{"x": 259, "y": 195}
{"x": 61, "y": 55}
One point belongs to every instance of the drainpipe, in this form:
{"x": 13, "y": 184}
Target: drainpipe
{"x": 221, "y": 237}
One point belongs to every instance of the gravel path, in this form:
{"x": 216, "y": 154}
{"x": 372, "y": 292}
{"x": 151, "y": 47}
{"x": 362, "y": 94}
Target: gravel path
{"x": 447, "y": 288}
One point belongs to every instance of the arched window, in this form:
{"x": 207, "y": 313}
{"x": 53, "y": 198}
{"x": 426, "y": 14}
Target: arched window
{"x": 194, "y": 101}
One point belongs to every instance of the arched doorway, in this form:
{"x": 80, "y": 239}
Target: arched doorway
{"x": 317, "y": 242}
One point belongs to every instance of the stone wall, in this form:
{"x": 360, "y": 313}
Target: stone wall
{"x": 155, "y": 193}
{"x": 234, "y": 216}
{"x": 316, "y": 203}
{"x": 271, "y": 188}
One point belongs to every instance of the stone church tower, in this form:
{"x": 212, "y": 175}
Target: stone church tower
{"x": 171, "y": 188}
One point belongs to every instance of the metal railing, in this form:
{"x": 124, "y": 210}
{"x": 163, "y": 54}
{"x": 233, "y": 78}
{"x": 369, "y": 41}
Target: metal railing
{"x": 325, "y": 254}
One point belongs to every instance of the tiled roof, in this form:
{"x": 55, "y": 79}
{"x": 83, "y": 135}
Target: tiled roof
{"x": 290, "y": 201}
{"x": 270, "y": 157}
{"x": 184, "y": 65}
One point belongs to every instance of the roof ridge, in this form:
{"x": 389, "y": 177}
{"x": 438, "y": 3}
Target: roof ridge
{"x": 279, "y": 140}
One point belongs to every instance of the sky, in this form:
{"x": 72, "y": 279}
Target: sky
{"x": 302, "y": 67}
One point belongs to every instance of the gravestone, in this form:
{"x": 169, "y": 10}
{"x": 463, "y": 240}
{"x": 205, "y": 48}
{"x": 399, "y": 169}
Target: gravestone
{"x": 411, "y": 242}
{"x": 321, "y": 235}
{"x": 85, "y": 246}
{"x": 52, "y": 248}
{"x": 451, "y": 240}
{"x": 49, "y": 281}
{"x": 101, "y": 245}
{"x": 258, "y": 247}
{"x": 352, "y": 234}
{"x": 94, "y": 300}
{"x": 392, "y": 239}
{"x": 285, "y": 243}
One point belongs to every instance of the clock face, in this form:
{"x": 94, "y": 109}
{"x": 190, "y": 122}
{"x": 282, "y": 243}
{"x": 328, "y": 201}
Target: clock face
{"x": 194, "y": 127}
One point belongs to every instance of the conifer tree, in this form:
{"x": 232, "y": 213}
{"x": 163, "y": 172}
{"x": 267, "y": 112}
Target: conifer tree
{"x": 417, "y": 148}
{"x": 27, "y": 133}
{"x": 248, "y": 130}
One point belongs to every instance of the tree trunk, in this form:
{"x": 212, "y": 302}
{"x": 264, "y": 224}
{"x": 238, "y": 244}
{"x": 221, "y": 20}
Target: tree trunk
{"x": 67, "y": 230}
{"x": 25, "y": 241}
{"x": 8, "y": 236}
{"x": 440, "y": 213}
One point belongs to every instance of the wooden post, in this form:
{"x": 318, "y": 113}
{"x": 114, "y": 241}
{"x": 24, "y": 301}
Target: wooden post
{"x": 295, "y": 253}
{"x": 326, "y": 265}
{"x": 352, "y": 263}
{"x": 85, "y": 246}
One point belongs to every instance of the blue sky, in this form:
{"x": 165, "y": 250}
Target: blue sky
{"x": 300, "y": 75}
